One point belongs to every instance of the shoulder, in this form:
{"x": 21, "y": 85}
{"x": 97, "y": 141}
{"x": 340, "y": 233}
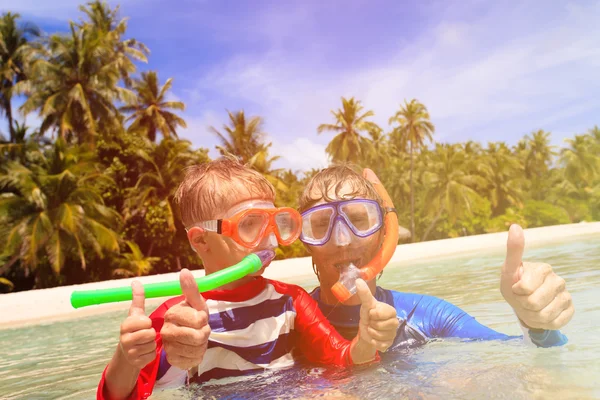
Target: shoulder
{"x": 415, "y": 301}
{"x": 288, "y": 288}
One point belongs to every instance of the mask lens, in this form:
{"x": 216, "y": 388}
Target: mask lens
{"x": 364, "y": 216}
{"x": 286, "y": 225}
{"x": 251, "y": 226}
{"x": 315, "y": 224}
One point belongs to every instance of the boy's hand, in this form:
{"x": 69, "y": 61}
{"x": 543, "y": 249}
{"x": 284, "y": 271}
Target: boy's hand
{"x": 378, "y": 321}
{"x": 137, "y": 341}
{"x": 185, "y": 331}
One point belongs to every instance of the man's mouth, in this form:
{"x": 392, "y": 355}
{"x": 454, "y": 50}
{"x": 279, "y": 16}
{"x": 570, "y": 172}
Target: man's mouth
{"x": 346, "y": 263}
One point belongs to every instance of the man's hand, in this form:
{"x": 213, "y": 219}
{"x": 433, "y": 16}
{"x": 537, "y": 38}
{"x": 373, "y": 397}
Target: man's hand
{"x": 137, "y": 340}
{"x": 185, "y": 331}
{"x": 378, "y": 321}
{"x": 538, "y": 296}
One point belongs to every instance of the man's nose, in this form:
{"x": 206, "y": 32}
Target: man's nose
{"x": 341, "y": 234}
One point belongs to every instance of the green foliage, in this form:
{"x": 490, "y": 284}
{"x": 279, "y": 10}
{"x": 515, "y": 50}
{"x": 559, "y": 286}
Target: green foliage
{"x": 97, "y": 202}
{"x": 537, "y": 213}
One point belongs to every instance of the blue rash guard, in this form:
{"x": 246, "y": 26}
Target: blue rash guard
{"x": 424, "y": 317}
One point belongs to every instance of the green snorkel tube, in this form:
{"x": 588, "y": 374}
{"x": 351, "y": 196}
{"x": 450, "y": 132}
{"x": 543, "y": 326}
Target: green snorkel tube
{"x": 250, "y": 264}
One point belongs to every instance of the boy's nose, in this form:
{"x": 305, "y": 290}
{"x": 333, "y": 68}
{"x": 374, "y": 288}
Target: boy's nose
{"x": 341, "y": 234}
{"x": 270, "y": 241}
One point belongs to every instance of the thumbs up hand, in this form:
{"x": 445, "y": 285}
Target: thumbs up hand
{"x": 537, "y": 295}
{"x": 137, "y": 339}
{"x": 378, "y": 321}
{"x": 186, "y": 330}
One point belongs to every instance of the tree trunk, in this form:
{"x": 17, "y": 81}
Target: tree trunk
{"x": 150, "y": 249}
{"x": 412, "y": 197}
{"x": 9, "y": 117}
{"x": 435, "y": 220}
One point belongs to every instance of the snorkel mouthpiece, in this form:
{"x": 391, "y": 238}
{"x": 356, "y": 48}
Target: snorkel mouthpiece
{"x": 345, "y": 287}
{"x": 266, "y": 256}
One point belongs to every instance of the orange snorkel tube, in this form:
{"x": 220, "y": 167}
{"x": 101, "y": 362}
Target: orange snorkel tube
{"x": 345, "y": 287}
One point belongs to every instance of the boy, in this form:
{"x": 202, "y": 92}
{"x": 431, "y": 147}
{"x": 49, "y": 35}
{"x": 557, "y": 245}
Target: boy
{"x": 249, "y": 325}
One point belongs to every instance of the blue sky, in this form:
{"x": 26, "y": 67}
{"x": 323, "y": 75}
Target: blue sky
{"x": 486, "y": 70}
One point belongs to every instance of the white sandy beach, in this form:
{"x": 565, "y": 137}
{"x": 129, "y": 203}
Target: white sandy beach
{"x": 25, "y": 308}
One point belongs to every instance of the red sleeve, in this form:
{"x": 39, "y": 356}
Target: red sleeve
{"x": 317, "y": 339}
{"x": 147, "y": 377}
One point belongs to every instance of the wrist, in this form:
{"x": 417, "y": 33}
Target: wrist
{"x": 362, "y": 351}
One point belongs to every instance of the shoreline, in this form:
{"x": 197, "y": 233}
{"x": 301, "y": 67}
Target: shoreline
{"x": 39, "y": 306}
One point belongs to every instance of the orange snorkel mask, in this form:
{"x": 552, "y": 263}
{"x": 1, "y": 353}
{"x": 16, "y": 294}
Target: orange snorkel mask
{"x": 316, "y": 235}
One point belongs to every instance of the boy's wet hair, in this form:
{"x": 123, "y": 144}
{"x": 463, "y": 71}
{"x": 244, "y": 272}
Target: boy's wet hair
{"x": 210, "y": 189}
{"x": 335, "y": 177}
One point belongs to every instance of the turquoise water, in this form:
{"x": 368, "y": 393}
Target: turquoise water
{"x": 64, "y": 360}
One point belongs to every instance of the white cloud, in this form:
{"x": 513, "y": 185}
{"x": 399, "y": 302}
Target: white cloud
{"x": 489, "y": 75}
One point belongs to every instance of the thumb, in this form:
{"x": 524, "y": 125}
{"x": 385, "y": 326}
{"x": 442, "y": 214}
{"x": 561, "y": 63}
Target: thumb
{"x": 137, "y": 304}
{"x": 364, "y": 293}
{"x": 189, "y": 287}
{"x": 515, "y": 246}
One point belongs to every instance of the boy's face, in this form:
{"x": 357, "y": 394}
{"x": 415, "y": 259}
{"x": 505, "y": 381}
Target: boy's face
{"x": 219, "y": 251}
{"x": 344, "y": 246}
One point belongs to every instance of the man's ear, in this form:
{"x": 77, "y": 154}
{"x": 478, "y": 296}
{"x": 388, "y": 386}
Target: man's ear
{"x": 197, "y": 238}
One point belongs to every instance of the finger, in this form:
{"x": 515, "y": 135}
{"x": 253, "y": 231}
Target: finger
{"x": 136, "y": 323}
{"x": 515, "y": 247}
{"x": 383, "y": 312}
{"x": 183, "y": 362}
{"x": 186, "y": 336}
{"x": 552, "y": 286}
{"x": 140, "y": 337}
{"x": 142, "y": 350}
{"x": 532, "y": 279}
{"x": 186, "y": 317}
{"x": 380, "y": 335}
{"x": 367, "y": 299}
{"x": 385, "y": 325}
{"x": 137, "y": 304}
{"x": 556, "y": 307}
{"x": 190, "y": 290}
{"x": 183, "y": 350}
{"x": 563, "y": 319}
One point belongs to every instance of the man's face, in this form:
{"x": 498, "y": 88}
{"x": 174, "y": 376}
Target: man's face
{"x": 344, "y": 247}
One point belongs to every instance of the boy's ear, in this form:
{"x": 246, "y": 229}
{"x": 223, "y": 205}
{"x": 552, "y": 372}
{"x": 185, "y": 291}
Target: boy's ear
{"x": 197, "y": 238}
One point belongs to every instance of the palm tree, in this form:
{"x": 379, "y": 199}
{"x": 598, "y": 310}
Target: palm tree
{"x": 69, "y": 87}
{"x": 580, "y": 161}
{"x": 109, "y": 30}
{"x": 151, "y": 110}
{"x": 262, "y": 163}
{"x": 54, "y": 212}
{"x": 134, "y": 263}
{"x": 24, "y": 148}
{"x": 242, "y": 138}
{"x": 414, "y": 127}
{"x": 538, "y": 154}
{"x": 450, "y": 187}
{"x": 501, "y": 172}
{"x": 349, "y": 145}
{"x": 154, "y": 189}
{"x": 13, "y": 42}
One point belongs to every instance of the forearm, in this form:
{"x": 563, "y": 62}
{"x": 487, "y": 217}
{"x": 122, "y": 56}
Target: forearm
{"x": 362, "y": 352}
{"x": 121, "y": 377}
